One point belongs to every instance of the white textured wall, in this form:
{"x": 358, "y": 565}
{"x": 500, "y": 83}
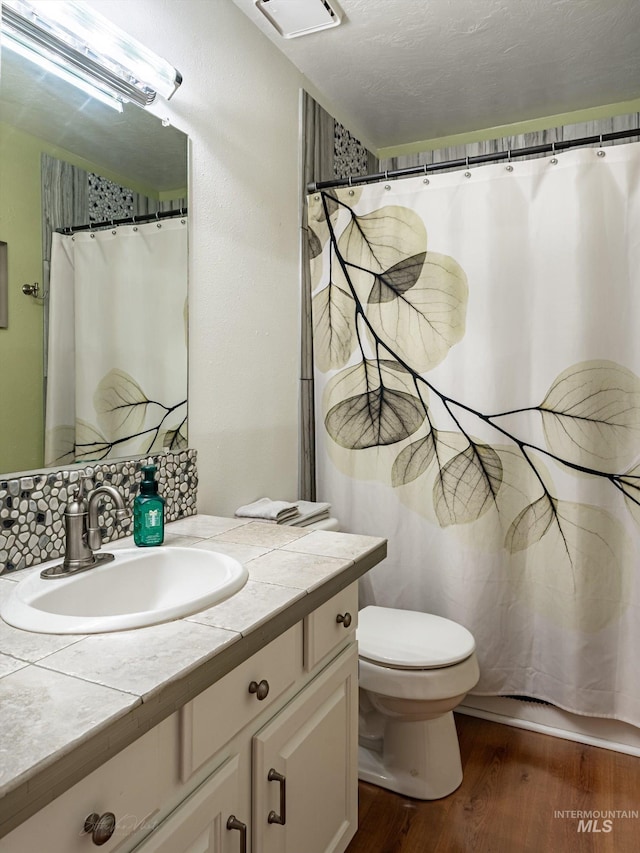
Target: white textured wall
{"x": 239, "y": 105}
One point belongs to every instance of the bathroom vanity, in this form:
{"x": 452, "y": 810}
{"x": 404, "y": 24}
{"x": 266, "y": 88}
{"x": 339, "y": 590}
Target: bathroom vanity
{"x": 232, "y": 730}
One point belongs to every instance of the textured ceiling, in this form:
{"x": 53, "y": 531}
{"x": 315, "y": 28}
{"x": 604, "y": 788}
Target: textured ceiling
{"x": 410, "y": 70}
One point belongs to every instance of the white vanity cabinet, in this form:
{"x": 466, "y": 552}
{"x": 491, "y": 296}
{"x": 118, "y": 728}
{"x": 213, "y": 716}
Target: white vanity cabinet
{"x": 262, "y": 761}
{"x": 301, "y": 794}
{"x": 296, "y": 703}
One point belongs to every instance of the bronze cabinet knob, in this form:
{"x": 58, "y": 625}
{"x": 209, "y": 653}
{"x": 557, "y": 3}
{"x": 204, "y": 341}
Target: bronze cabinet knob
{"x": 261, "y": 690}
{"x": 101, "y": 827}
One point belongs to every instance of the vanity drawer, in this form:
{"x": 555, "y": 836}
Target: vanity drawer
{"x": 328, "y": 627}
{"x": 132, "y": 786}
{"x": 210, "y": 720}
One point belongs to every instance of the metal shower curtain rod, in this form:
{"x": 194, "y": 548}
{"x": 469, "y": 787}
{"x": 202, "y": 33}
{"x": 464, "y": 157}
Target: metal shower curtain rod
{"x": 128, "y": 220}
{"x": 497, "y": 156}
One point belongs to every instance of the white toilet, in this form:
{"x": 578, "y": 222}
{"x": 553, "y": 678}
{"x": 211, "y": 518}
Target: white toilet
{"x": 414, "y": 669}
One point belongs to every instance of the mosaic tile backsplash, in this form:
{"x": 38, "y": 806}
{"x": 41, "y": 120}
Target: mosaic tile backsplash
{"x": 32, "y": 506}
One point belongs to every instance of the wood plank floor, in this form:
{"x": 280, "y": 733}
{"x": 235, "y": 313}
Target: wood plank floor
{"x": 515, "y": 782}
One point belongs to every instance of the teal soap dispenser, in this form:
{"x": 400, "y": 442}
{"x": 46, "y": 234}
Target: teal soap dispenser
{"x": 148, "y": 511}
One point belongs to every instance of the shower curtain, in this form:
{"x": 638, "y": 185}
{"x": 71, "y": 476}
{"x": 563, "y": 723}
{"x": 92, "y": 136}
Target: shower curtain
{"x": 117, "y": 353}
{"x": 477, "y": 364}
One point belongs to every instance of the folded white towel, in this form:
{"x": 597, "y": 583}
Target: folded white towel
{"x": 265, "y": 509}
{"x": 307, "y": 522}
{"x": 310, "y": 512}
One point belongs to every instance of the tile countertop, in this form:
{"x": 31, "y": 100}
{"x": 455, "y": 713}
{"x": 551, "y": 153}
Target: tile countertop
{"x": 70, "y": 702}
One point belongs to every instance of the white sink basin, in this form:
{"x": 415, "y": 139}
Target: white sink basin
{"x": 140, "y": 587}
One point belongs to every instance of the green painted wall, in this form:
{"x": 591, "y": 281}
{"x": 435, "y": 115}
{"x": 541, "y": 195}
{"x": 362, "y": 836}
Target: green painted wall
{"x": 21, "y": 344}
{"x": 544, "y": 123}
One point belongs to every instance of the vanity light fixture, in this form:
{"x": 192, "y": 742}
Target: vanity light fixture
{"x": 68, "y": 38}
{"x": 9, "y": 43}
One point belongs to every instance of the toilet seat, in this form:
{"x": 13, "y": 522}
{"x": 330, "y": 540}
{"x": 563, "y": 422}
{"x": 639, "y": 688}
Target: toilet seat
{"x": 410, "y": 640}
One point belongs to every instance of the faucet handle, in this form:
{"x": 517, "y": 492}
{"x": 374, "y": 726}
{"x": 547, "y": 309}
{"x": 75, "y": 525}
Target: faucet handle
{"x": 77, "y": 504}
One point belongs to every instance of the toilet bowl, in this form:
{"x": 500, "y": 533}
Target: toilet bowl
{"x": 414, "y": 668}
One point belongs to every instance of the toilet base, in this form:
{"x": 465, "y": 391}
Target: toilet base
{"x": 418, "y": 759}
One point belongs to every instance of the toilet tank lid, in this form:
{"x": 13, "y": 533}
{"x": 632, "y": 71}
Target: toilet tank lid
{"x": 408, "y": 639}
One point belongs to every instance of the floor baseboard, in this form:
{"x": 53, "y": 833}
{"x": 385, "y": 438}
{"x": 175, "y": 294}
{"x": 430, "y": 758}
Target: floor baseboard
{"x": 547, "y": 719}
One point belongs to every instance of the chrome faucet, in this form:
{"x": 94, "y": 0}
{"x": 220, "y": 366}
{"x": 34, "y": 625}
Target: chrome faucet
{"x": 83, "y": 535}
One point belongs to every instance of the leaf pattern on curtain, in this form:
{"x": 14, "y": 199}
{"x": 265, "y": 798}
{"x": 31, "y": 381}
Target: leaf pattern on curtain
{"x": 121, "y": 411}
{"x": 591, "y": 415}
{"x": 121, "y": 408}
{"x": 389, "y": 313}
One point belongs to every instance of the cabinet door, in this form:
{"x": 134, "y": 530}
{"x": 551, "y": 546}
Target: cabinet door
{"x": 201, "y": 823}
{"x": 305, "y": 764}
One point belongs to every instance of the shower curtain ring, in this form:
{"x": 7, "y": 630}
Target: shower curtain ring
{"x": 386, "y": 175}
{"x": 350, "y": 183}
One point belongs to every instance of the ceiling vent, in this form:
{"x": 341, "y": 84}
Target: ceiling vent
{"x": 293, "y": 18}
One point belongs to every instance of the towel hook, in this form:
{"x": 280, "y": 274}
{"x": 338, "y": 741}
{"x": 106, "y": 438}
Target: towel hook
{"x": 34, "y": 290}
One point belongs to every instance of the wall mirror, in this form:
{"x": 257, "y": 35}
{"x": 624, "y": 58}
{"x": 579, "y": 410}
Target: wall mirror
{"x": 128, "y": 155}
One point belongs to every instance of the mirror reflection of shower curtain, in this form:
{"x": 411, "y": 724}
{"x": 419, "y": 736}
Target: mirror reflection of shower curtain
{"x": 117, "y": 381}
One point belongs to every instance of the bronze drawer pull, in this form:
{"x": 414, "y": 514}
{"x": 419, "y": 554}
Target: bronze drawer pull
{"x": 344, "y": 619}
{"x": 274, "y": 817}
{"x": 234, "y": 823}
